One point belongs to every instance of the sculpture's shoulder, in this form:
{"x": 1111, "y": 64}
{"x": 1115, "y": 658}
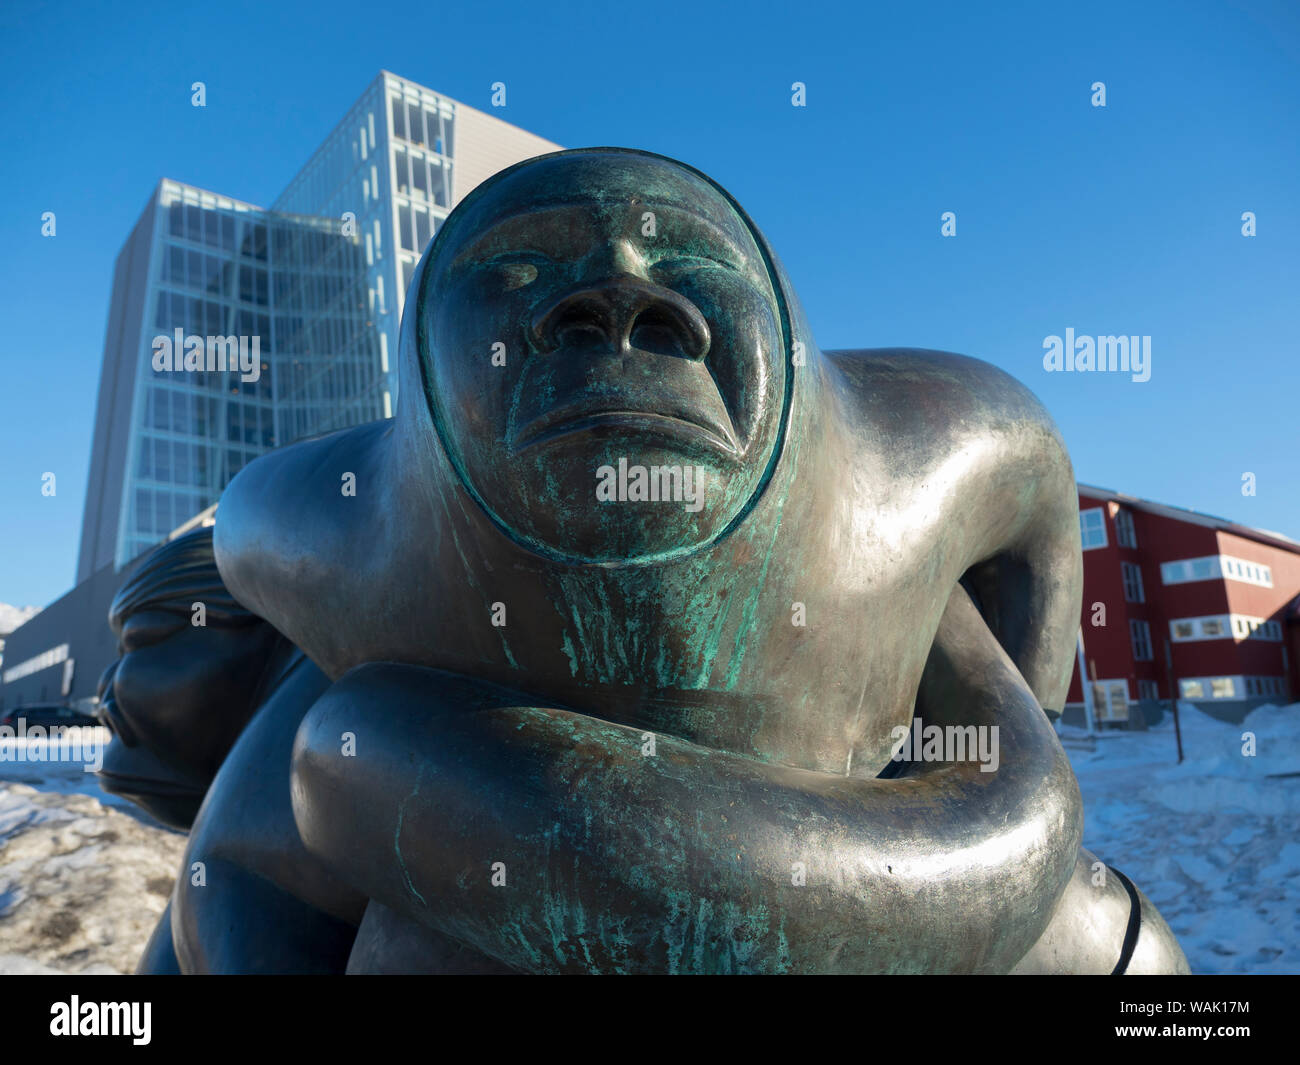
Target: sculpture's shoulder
{"x": 922, "y": 391}
{"x": 290, "y": 519}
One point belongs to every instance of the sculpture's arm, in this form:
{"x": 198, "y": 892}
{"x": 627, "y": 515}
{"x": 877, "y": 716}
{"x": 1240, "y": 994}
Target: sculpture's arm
{"x": 994, "y": 464}
{"x": 247, "y": 924}
{"x": 690, "y": 859}
{"x": 250, "y": 899}
{"x": 159, "y": 957}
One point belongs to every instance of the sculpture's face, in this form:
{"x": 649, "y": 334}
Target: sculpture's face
{"x": 176, "y": 701}
{"x": 595, "y": 315}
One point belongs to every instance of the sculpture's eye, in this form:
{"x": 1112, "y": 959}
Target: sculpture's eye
{"x": 517, "y": 269}
{"x": 677, "y": 265}
{"x": 149, "y": 627}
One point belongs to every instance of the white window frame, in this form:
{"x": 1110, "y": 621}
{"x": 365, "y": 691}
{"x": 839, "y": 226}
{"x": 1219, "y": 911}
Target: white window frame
{"x": 1207, "y": 684}
{"x": 1220, "y": 567}
{"x": 1085, "y": 531}
{"x": 1105, "y": 703}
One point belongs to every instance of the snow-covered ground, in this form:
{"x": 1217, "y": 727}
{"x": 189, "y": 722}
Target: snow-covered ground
{"x": 13, "y": 617}
{"x": 83, "y": 875}
{"x": 1214, "y": 842}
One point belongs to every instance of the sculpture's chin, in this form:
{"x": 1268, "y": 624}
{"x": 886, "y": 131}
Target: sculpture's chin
{"x": 166, "y": 793}
{"x": 614, "y": 493}
{"x": 173, "y": 805}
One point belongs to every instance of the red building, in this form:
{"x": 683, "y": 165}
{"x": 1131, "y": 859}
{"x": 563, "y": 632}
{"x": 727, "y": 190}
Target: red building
{"x": 1167, "y": 587}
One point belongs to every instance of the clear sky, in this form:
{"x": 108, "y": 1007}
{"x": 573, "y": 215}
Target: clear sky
{"x": 1117, "y": 220}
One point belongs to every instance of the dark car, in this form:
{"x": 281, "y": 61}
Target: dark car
{"x": 46, "y": 715}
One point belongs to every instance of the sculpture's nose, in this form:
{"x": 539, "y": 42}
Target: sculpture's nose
{"x": 107, "y": 710}
{"x": 624, "y": 312}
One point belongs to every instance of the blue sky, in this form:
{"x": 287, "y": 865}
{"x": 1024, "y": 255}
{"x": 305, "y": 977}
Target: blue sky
{"x": 1117, "y": 220}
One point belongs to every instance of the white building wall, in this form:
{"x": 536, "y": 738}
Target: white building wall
{"x": 485, "y": 145}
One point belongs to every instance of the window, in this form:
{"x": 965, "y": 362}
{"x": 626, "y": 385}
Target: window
{"x": 144, "y": 510}
{"x": 423, "y": 231}
{"x": 1147, "y": 690}
{"x": 404, "y": 225}
{"x": 419, "y": 180}
{"x": 1132, "y": 582}
{"x": 1211, "y": 567}
{"x": 414, "y": 124}
{"x": 399, "y": 118}
{"x": 145, "y": 468}
{"x": 1092, "y": 528}
{"x": 1216, "y": 687}
{"x": 1252, "y": 686}
{"x": 1140, "y": 636}
{"x": 1125, "y": 535}
{"x": 400, "y": 176}
{"x": 1110, "y": 699}
{"x": 1211, "y": 627}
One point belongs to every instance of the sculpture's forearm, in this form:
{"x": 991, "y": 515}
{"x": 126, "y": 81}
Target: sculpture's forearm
{"x": 548, "y": 840}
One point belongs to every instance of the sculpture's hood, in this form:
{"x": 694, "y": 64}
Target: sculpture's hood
{"x": 414, "y": 568}
{"x": 425, "y": 437}
{"x": 685, "y": 621}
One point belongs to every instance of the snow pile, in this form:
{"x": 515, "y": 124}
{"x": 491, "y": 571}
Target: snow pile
{"x": 1213, "y": 841}
{"x": 15, "y": 617}
{"x": 82, "y": 881}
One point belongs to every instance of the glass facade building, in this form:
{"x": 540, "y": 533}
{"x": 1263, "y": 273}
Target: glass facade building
{"x": 315, "y": 285}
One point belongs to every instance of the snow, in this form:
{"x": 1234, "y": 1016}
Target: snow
{"x": 84, "y": 876}
{"x": 14, "y": 617}
{"x": 1212, "y": 842}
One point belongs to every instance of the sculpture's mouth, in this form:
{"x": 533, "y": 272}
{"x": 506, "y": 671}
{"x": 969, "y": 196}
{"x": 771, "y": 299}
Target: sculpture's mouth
{"x": 657, "y": 399}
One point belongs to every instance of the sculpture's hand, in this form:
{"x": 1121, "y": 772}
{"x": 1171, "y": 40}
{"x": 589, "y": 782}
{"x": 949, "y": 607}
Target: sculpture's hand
{"x": 548, "y": 840}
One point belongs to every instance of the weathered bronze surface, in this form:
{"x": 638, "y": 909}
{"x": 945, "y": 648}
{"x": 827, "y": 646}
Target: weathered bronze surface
{"x": 576, "y": 730}
{"x": 180, "y": 692}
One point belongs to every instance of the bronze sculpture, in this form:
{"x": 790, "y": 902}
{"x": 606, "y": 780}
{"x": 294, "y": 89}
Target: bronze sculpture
{"x": 180, "y": 692}
{"x": 179, "y": 700}
{"x": 624, "y": 612}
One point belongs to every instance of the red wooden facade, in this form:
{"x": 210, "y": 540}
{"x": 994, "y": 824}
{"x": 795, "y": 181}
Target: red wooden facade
{"x": 1217, "y": 593}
